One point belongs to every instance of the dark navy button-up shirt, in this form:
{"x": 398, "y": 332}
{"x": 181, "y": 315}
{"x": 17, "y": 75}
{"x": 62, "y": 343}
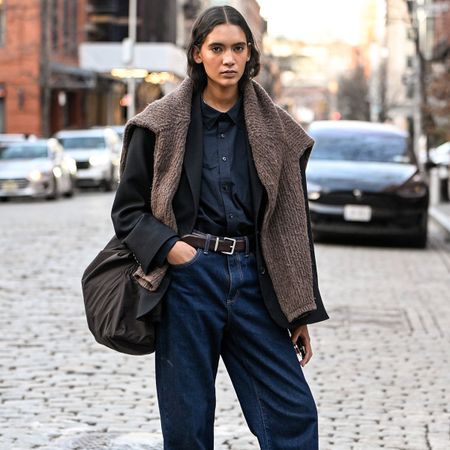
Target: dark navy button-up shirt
{"x": 225, "y": 206}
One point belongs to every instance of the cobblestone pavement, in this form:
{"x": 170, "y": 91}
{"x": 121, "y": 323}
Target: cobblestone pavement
{"x": 380, "y": 371}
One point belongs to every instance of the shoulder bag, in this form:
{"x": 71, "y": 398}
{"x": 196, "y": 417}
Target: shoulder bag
{"x": 111, "y": 297}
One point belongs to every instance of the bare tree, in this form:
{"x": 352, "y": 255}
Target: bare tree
{"x": 353, "y": 94}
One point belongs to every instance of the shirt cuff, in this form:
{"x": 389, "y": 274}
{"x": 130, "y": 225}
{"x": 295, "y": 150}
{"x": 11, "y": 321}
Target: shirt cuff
{"x": 160, "y": 257}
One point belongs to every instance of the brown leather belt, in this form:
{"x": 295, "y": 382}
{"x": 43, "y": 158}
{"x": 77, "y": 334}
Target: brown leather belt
{"x": 222, "y": 244}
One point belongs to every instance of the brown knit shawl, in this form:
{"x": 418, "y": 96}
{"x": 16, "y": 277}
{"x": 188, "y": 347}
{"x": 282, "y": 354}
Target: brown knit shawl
{"x": 277, "y": 142}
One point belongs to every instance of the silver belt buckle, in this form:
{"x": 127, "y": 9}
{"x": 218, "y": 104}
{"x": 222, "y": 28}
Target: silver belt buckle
{"x": 232, "y": 246}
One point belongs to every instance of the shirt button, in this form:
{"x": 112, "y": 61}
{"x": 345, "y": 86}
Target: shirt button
{"x": 230, "y": 216}
{"x": 224, "y": 187}
{"x": 222, "y": 135}
{"x": 224, "y": 158}
{"x": 262, "y": 271}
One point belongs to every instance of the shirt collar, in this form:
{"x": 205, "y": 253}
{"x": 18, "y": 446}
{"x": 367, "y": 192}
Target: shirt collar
{"x": 210, "y": 115}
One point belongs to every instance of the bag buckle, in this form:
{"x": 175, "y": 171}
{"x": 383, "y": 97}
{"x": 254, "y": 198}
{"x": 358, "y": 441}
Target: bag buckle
{"x": 233, "y": 245}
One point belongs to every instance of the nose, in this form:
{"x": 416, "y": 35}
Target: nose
{"x": 228, "y": 58}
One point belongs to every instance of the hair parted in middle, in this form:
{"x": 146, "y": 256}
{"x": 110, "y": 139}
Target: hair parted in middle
{"x": 206, "y": 21}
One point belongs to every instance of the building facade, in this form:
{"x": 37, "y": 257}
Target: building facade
{"x": 76, "y": 64}
{"x": 417, "y": 62}
{"x": 44, "y": 85}
{"x": 39, "y": 65}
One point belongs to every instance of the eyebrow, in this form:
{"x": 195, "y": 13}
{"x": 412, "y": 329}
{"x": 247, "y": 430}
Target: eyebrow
{"x": 219, "y": 43}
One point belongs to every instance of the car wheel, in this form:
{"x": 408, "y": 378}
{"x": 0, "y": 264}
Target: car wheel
{"x": 70, "y": 192}
{"x": 108, "y": 184}
{"x": 421, "y": 238}
{"x": 54, "y": 194}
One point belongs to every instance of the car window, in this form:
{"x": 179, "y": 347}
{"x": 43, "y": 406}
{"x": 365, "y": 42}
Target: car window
{"x": 360, "y": 147}
{"x": 83, "y": 142}
{"x": 24, "y": 152}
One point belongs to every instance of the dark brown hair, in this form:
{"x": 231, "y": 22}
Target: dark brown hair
{"x": 206, "y": 21}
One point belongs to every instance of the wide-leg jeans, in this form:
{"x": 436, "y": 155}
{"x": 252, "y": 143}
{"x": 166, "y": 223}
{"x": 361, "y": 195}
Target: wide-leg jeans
{"x": 213, "y": 307}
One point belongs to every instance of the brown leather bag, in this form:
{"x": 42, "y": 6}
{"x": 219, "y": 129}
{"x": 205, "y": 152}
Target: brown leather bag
{"x": 111, "y": 297}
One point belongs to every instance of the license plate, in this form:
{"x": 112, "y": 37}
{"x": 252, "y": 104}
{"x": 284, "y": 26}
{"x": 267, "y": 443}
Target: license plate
{"x": 10, "y": 185}
{"x": 357, "y": 213}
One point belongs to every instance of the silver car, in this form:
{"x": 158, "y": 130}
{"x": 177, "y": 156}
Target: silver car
{"x": 36, "y": 168}
{"x": 97, "y": 153}
{"x": 13, "y": 138}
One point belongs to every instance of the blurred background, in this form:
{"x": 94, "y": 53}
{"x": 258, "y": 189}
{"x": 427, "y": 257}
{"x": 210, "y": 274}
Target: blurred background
{"x": 66, "y": 64}
{"x": 368, "y": 79}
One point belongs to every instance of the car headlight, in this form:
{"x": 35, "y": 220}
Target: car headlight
{"x": 37, "y": 175}
{"x": 57, "y": 172}
{"x": 414, "y": 187}
{"x": 314, "y": 190}
{"x": 98, "y": 160}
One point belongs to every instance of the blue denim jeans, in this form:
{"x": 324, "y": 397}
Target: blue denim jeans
{"x": 213, "y": 307}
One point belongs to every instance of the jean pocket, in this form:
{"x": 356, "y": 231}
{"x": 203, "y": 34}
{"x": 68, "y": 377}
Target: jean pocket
{"x": 187, "y": 263}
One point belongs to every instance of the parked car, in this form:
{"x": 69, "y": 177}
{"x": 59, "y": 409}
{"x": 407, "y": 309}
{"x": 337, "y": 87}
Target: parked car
{"x": 363, "y": 178}
{"x": 36, "y": 168}
{"x": 119, "y": 129}
{"x": 12, "y": 138}
{"x": 97, "y": 154}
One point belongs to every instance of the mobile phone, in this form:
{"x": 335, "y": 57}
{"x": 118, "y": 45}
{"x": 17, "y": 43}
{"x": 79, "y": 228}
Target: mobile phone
{"x": 300, "y": 350}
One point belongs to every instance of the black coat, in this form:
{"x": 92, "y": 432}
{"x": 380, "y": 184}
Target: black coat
{"x": 144, "y": 234}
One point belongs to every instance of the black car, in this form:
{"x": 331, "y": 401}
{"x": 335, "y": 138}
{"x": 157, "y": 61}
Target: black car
{"x": 363, "y": 177}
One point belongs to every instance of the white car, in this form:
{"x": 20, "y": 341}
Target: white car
{"x": 97, "y": 154}
{"x": 13, "y": 138}
{"x": 36, "y": 168}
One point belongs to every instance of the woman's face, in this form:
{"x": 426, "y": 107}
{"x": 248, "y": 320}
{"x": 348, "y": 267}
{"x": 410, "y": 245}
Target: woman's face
{"x": 224, "y": 54}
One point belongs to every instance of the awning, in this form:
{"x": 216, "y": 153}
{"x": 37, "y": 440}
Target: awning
{"x": 64, "y": 76}
{"x": 153, "y": 56}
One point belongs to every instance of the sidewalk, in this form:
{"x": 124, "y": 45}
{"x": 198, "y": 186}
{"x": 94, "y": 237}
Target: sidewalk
{"x": 440, "y": 213}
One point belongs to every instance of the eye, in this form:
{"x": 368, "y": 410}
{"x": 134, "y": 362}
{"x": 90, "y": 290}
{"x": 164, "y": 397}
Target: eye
{"x": 239, "y": 48}
{"x": 216, "y": 49}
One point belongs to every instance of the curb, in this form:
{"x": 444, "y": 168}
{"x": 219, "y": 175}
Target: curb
{"x": 440, "y": 218}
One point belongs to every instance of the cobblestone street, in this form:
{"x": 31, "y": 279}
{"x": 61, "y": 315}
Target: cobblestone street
{"x": 380, "y": 372}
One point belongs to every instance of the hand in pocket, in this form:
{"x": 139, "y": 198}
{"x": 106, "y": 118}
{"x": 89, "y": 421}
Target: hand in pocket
{"x": 181, "y": 253}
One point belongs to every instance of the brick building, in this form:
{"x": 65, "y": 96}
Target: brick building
{"x": 43, "y": 85}
{"x": 42, "y": 89}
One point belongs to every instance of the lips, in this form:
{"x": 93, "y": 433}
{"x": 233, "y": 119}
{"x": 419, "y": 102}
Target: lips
{"x": 229, "y": 72}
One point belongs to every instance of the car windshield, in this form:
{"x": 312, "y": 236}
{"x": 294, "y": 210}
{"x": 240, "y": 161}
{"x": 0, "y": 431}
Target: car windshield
{"x": 24, "y": 152}
{"x": 360, "y": 147}
{"x": 83, "y": 142}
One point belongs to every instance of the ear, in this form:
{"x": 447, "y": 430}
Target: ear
{"x": 249, "y": 45}
{"x": 196, "y": 55}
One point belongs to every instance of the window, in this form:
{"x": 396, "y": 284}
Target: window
{"x": 66, "y": 27}
{"x": 74, "y": 28}
{"x": 2, "y": 115}
{"x": 363, "y": 146}
{"x": 2, "y": 108}
{"x": 54, "y": 23}
{"x": 2, "y": 23}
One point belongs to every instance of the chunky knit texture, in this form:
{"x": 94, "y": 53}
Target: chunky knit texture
{"x": 277, "y": 142}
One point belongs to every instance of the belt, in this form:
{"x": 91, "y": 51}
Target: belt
{"x": 222, "y": 244}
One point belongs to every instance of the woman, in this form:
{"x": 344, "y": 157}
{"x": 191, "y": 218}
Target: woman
{"x": 213, "y": 204}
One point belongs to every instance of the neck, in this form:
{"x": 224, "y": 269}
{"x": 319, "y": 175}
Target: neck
{"x": 220, "y": 98}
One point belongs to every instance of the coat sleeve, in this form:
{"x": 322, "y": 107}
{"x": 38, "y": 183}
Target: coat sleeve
{"x": 320, "y": 313}
{"x": 148, "y": 238}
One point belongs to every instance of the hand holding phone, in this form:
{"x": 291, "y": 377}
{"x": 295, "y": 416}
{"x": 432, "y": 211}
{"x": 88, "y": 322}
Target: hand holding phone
{"x": 300, "y": 350}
